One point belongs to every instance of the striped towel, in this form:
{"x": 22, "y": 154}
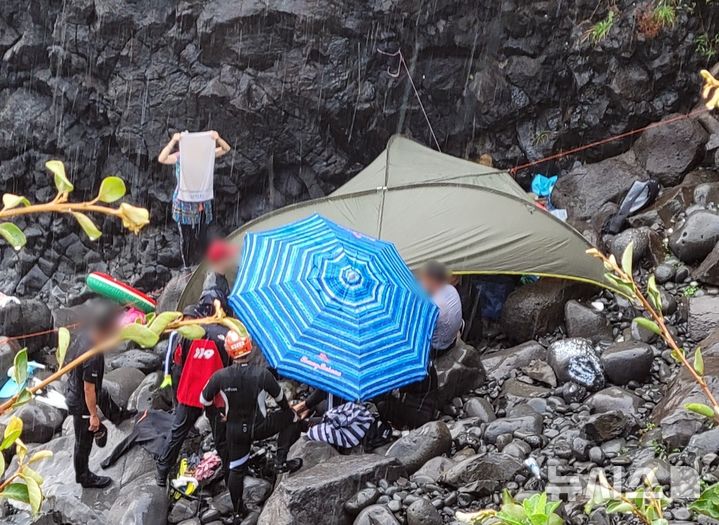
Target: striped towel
{"x": 344, "y": 426}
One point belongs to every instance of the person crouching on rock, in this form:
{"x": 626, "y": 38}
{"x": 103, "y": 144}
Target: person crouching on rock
{"x": 197, "y": 360}
{"x": 245, "y": 388}
{"x": 85, "y": 393}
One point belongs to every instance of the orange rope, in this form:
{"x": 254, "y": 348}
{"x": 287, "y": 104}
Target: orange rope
{"x": 4, "y": 340}
{"x": 694, "y": 113}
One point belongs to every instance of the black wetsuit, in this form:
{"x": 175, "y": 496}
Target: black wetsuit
{"x": 245, "y": 389}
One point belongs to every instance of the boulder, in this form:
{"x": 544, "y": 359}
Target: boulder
{"x": 499, "y": 365}
{"x": 482, "y": 474}
{"x": 375, "y": 515}
{"x": 310, "y": 495}
{"x": 538, "y": 308}
{"x": 26, "y": 316}
{"x": 8, "y": 349}
{"x": 458, "y": 371}
{"x": 668, "y": 152}
{"x": 148, "y": 394}
{"x": 582, "y": 321}
{"x": 311, "y": 452}
{"x": 121, "y": 383}
{"x": 607, "y": 425}
{"x": 695, "y": 239}
{"x": 638, "y": 237}
{"x": 422, "y": 512}
{"x": 705, "y": 442}
{"x": 143, "y": 360}
{"x": 614, "y": 398}
{"x": 670, "y": 203}
{"x": 586, "y": 188}
{"x": 708, "y": 271}
{"x": 627, "y": 361}
{"x": 140, "y": 502}
{"x": 575, "y": 360}
{"x": 706, "y": 193}
{"x": 525, "y": 425}
{"x": 541, "y": 372}
{"x": 40, "y": 422}
{"x": 676, "y": 423}
{"x": 703, "y": 316}
{"x": 419, "y": 446}
{"x": 431, "y": 471}
{"x": 170, "y": 297}
{"x": 362, "y": 499}
{"x": 480, "y": 408}
{"x": 515, "y": 391}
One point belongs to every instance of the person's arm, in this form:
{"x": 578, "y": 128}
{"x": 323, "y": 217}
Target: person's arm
{"x": 212, "y": 388}
{"x": 222, "y": 146}
{"x": 167, "y": 156}
{"x": 91, "y": 402}
{"x": 272, "y": 387}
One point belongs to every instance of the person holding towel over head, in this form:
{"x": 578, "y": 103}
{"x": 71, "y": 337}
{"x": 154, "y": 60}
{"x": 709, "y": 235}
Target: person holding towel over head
{"x": 194, "y": 162}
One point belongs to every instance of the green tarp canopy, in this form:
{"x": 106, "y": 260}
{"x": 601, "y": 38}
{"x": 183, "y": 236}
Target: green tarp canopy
{"x": 473, "y": 218}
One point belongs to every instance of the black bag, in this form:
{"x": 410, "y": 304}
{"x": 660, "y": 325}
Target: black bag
{"x": 640, "y": 195}
{"x": 378, "y": 434}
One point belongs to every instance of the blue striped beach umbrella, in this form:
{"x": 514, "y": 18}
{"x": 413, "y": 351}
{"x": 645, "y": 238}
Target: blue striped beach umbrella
{"x": 334, "y": 308}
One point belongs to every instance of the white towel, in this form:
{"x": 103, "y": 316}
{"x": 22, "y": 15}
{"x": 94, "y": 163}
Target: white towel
{"x": 197, "y": 167}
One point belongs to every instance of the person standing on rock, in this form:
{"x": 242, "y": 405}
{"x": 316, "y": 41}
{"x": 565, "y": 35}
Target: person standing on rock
{"x": 192, "y": 198}
{"x": 245, "y": 388}
{"x": 196, "y": 361}
{"x": 85, "y": 394}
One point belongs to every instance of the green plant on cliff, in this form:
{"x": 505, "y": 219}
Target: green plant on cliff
{"x": 622, "y": 279}
{"x": 707, "y": 46}
{"x": 600, "y": 30}
{"x": 535, "y": 510}
{"x": 111, "y": 190}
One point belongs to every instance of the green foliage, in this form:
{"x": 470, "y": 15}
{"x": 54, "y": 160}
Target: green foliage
{"x": 646, "y": 503}
{"x": 13, "y": 235}
{"x": 112, "y": 189}
{"x": 708, "y": 502}
{"x": 691, "y": 290}
{"x": 57, "y": 168}
{"x": 63, "y": 342}
{"x": 698, "y": 361}
{"x": 11, "y": 201}
{"x": 87, "y": 225}
{"x": 601, "y": 29}
{"x": 665, "y": 14}
{"x": 20, "y": 367}
{"x": 700, "y": 408}
{"x": 535, "y": 510}
{"x": 648, "y": 324}
{"x": 707, "y": 46}
{"x": 140, "y": 334}
{"x": 192, "y": 331}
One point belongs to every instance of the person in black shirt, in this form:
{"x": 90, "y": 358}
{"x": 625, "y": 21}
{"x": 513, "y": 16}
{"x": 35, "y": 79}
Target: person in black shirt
{"x": 245, "y": 389}
{"x": 415, "y": 405}
{"x": 85, "y": 394}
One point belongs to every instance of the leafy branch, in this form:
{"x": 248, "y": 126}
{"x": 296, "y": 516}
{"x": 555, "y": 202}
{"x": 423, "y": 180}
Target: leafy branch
{"x": 146, "y": 335}
{"x": 111, "y": 190}
{"x": 535, "y": 510}
{"x": 651, "y": 302}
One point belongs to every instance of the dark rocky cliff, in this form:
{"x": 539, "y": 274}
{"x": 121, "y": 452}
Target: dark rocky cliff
{"x": 301, "y": 93}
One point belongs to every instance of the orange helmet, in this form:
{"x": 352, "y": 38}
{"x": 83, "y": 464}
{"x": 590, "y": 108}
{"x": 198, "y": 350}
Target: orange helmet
{"x": 237, "y": 345}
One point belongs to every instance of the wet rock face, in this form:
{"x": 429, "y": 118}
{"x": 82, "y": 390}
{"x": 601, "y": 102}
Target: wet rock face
{"x": 421, "y": 445}
{"x": 696, "y": 237}
{"x": 575, "y": 360}
{"x": 295, "y": 87}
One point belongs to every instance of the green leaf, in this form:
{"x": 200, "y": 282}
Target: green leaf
{"x": 618, "y": 507}
{"x": 655, "y": 297}
{"x": 87, "y": 225}
{"x": 140, "y": 334}
{"x": 111, "y": 189}
{"x": 628, "y": 258}
{"x": 13, "y": 235}
{"x": 708, "y": 502}
{"x": 160, "y": 322}
{"x": 648, "y": 324}
{"x": 191, "y": 331}
{"x": 24, "y": 397}
{"x": 2, "y": 465}
{"x": 57, "y": 168}
{"x": 34, "y": 493}
{"x": 620, "y": 285}
{"x": 698, "y": 361}
{"x": 12, "y": 432}
{"x": 11, "y": 201}
{"x": 30, "y": 473}
{"x": 20, "y": 367}
{"x": 700, "y": 408}
{"x": 63, "y": 341}
{"x": 40, "y": 455}
{"x": 17, "y": 492}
